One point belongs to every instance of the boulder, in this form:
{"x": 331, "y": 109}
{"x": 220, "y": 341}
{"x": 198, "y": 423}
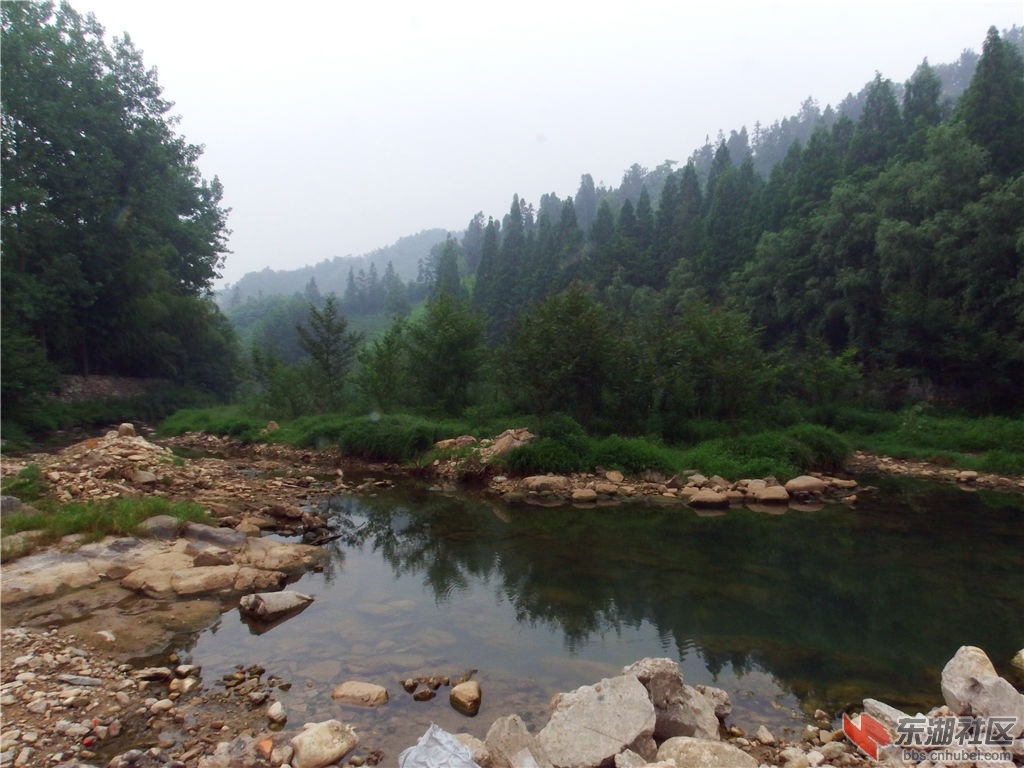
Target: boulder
{"x": 719, "y": 700}
{"x": 592, "y": 724}
{"x": 546, "y": 483}
{"x": 267, "y": 606}
{"x": 699, "y": 753}
{"x": 772, "y": 494}
{"x": 126, "y": 429}
{"x": 805, "y": 484}
{"x": 271, "y": 555}
{"x": 511, "y": 744}
{"x": 706, "y": 497}
{"x": 887, "y": 715}
{"x": 584, "y": 495}
{"x": 206, "y": 578}
{"x": 970, "y": 686}
{"x": 360, "y": 694}
{"x": 465, "y": 698}
{"x": 320, "y": 744}
{"x": 679, "y": 709}
{"x": 226, "y": 538}
{"x": 1018, "y": 660}
{"x": 159, "y": 527}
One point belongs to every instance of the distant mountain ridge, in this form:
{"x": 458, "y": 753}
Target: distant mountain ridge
{"x": 331, "y": 275}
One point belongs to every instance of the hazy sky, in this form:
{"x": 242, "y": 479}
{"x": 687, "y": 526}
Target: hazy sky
{"x": 337, "y": 127}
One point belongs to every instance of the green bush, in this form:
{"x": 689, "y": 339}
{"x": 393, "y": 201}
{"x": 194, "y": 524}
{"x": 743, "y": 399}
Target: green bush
{"x": 543, "y": 455}
{"x": 827, "y": 450}
{"x": 28, "y": 485}
{"x": 228, "y": 421}
{"x": 631, "y": 455}
{"x": 1002, "y": 462}
{"x": 396, "y": 438}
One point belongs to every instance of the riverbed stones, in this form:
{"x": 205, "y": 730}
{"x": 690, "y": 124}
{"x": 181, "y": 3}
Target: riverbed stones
{"x": 546, "y": 483}
{"x": 323, "y": 743}
{"x": 772, "y": 494}
{"x": 805, "y": 485}
{"x": 594, "y": 723}
{"x": 680, "y": 709}
{"x": 709, "y": 499}
{"x": 700, "y": 753}
{"x": 360, "y": 693}
{"x": 511, "y": 745}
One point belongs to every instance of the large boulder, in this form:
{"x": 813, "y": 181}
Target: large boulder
{"x": 267, "y": 606}
{"x": 971, "y": 686}
{"x": 592, "y": 724}
{"x": 680, "y": 709}
{"x": 700, "y": 753}
{"x": 546, "y": 483}
{"x": 805, "y": 484}
{"x": 360, "y": 694}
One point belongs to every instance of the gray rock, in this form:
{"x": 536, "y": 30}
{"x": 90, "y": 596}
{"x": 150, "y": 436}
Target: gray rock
{"x": 719, "y": 700}
{"x": 511, "y": 744}
{"x": 885, "y": 714}
{"x": 226, "y": 538}
{"x": 596, "y": 722}
{"x": 159, "y": 527}
{"x": 970, "y": 686}
{"x": 9, "y": 505}
{"x": 680, "y": 709}
{"x": 270, "y": 605}
{"x": 700, "y": 753}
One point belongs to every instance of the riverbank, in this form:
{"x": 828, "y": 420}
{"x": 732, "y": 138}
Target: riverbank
{"x": 255, "y": 482}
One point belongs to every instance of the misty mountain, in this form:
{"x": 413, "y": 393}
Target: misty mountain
{"x": 405, "y": 256}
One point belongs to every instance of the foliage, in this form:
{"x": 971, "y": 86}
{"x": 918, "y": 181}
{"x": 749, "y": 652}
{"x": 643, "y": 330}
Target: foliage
{"x": 631, "y": 455}
{"x": 231, "y": 421}
{"x": 331, "y": 348}
{"x": 112, "y": 238}
{"x": 28, "y": 485}
{"x": 396, "y": 438}
{"x": 546, "y": 454}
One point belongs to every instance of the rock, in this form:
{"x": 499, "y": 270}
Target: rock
{"x": 614, "y": 476}
{"x": 266, "y": 606}
{"x": 465, "y": 698}
{"x": 511, "y": 745}
{"x": 1018, "y": 659}
{"x": 584, "y": 495}
{"x": 270, "y": 555}
{"x": 805, "y": 484}
{"x": 970, "y": 686}
{"x": 546, "y": 483}
{"x": 225, "y": 538}
{"x": 885, "y": 714}
{"x": 595, "y": 722}
{"x": 719, "y": 700}
{"x": 127, "y": 429}
{"x": 360, "y": 694}
{"x": 159, "y": 527}
{"x": 321, "y": 744}
{"x": 699, "y": 753}
{"x": 765, "y": 736}
{"x": 276, "y": 713}
{"x": 481, "y": 755}
{"x": 207, "y": 578}
{"x": 706, "y": 497}
{"x": 966, "y": 476}
{"x": 772, "y": 494}
{"x": 9, "y": 505}
{"x": 680, "y": 710}
{"x": 143, "y": 477}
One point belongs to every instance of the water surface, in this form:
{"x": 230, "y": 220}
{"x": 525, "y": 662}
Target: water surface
{"x": 788, "y": 612}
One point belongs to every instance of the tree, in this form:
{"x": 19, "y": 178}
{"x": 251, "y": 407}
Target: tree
{"x": 557, "y": 357}
{"x": 105, "y": 216}
{"x": 383, "y": 373}
{"x": 445, "y": 352}
{"x": 585, "y": 203}
{"x": 992, "y": 107}
{"x": 879, "y": 130}
{"x": 331, "y": 348}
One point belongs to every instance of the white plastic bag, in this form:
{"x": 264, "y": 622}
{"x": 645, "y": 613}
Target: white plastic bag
{"x": 437, "y": 749}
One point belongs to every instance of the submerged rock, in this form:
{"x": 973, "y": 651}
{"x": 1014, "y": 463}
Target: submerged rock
{"x": 267, "y": 606}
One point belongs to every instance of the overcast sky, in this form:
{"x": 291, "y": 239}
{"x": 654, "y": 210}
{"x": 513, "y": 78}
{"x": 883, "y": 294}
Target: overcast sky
{"x": 337, "y": 127}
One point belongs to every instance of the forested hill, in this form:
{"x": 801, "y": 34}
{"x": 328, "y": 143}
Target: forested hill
{"x": 406, "y": 257}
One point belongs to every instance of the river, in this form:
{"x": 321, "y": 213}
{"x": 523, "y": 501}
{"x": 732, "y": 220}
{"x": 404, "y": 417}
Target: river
{"x": 788, "y": 612}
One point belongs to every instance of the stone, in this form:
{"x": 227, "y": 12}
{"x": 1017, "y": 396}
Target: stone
{"x": 614, "y": 476}
{"x": 680, "y": 710}
{"x": 719, "y": 700}
{"x": 126, "y": 429}
{"x": 360, "y": 693}
{"x": 765, "y": 736}
{"x": 966, "y": 476}
{"x": 207, "y": 578}
{"x": 510, "y": 743}
{"x": 266, "y": 606}
{"x": 225, "y": 538}
{"x": 772, "y": 494}
{"x": 706, "y": 497}
{"x": 481, "y": 755}
{"x": 887, "y": 715}
{"x": 320, "y": 744}
{"x": 270, "y": 555}
{"x": 1018, "y": 659}
{"x": 276, "y": 713}
{"x": 143, "y": 477}
{"x": 584, "y": 495}
{"x": 805, "y": 484}
{"x": 159, "y": 527}
{"x": 546, "y": 483}
{"x": 699, "y": 753}
{"x": 465, "y": 698}
{"x": 971, "y": 686}
{"x": 595, "y": 722}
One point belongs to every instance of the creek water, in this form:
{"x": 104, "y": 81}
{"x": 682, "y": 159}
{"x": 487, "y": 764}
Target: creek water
{"x": 789, "y": 611}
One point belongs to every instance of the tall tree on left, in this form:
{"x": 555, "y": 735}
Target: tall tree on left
{"x": 111, "y": 236}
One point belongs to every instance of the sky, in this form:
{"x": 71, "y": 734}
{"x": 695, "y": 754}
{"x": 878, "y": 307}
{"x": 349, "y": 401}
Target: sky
{"x": 337, "y": 127}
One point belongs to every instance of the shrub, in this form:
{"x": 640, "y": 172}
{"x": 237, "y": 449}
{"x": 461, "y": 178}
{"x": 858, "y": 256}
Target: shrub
{"x": 631, "y": 455}
{"x": 394, "y": 438}
{"x": 28, "y": 485}
{"x": 545, "y": 454}
{"x": 827, "y": 450}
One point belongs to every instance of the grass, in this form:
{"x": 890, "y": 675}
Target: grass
{"x": 988, "y": 444}
{"x": 95, "y": 519}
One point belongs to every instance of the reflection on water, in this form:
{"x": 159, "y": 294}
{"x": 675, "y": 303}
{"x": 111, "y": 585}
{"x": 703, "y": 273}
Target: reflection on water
{"x": 789, "y": 613}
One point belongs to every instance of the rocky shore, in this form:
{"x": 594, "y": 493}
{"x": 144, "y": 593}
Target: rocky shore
{"x": 69, "y": 698}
